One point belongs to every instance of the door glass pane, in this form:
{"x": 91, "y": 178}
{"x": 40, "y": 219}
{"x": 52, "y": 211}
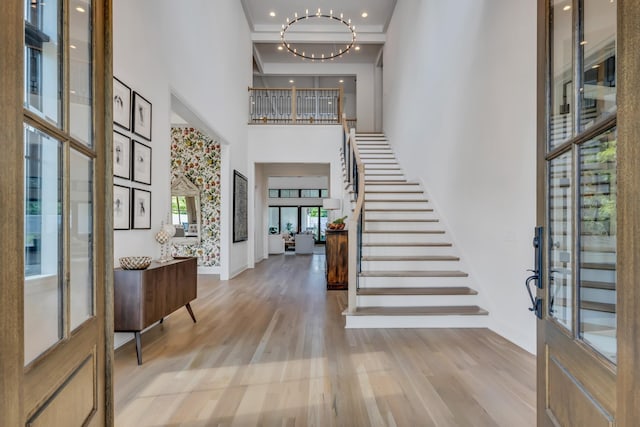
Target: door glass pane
{"x": 289, "y": 220}
{"x": 80, "y": 84}
{"x": 599, "y": 60}
{"x": 310, "y": 223}
{"x": 274, "y": 220}
{"x": 562, "y": 88}
{"x": 81, "y": 239}
{"x": 560, "y": 240}
{"x": 324, "y": 216}
{"x": 43, "y": 59}
{"x": 598, "y": 191}
{"x": 42, "y": 243}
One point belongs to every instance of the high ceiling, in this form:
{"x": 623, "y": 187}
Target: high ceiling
{"x": 319, "y": 37}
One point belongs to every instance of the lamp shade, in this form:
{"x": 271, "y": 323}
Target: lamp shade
{"x": 331, "y": 204}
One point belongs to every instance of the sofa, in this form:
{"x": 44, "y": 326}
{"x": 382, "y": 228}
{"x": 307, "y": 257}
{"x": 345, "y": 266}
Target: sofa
{"x": 304, "y": 243}
{"x": 276, "y": 244}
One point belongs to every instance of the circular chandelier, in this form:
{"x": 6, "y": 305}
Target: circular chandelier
{"x": 318, "y": 15}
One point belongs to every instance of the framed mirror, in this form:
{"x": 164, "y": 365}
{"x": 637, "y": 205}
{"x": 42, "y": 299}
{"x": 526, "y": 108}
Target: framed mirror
{"x": 185, "y": 210}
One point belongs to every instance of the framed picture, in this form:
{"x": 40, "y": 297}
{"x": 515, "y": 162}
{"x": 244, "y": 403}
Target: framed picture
{"x": 121, "y": 104}
{"x": 121, "y": 207}
{"x": 141, "y": 116}
{"x": 141, "y": 209}
{"x": 121, "y": 155}
{"x": 141, "y": 158}
{"x": 240, "y": 216}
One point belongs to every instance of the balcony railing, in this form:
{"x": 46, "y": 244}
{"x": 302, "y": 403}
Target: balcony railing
{"x": 311, "y": 106}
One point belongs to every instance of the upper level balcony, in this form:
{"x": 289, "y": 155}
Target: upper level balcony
{"x": 311, "y": 106}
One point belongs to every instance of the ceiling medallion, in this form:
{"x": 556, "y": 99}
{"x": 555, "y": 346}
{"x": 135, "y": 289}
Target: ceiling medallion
{"x": 318, "y": 15}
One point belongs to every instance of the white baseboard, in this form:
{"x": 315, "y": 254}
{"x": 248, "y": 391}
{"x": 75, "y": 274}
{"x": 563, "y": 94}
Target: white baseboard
{"x": 208, "y": 270}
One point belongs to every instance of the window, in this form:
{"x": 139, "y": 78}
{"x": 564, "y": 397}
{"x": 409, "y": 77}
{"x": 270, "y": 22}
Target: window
{"x": 274, "y": 193}
{"x": 310, "y": 193}
{"x": 289, "y": 193}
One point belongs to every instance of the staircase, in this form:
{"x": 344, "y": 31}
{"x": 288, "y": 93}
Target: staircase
{"x": 411, "y": 275}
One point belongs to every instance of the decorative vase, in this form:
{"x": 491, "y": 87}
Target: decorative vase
{"x": 163, "y": 237}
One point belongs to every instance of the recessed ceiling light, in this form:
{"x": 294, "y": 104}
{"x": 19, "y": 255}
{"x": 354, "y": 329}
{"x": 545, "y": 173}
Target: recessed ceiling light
{"x": 272, "y": 13}
{"x": 364, "y": 14}
{"x": 340, "y": 81}
{"x": 280, "y": 47}
{"x": 73, "y": 92}
{"x": 80, "y": 9}
{"x": 357, "y": 47}
{"x": 72, "y": 46}
{"x": 567, "y": 7}
{"x": 292, "y": 81}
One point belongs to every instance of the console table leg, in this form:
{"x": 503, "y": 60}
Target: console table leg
{"x": 188, "y": 305}
{"x": 138, "y": 347}
{"x": 161, "y": 320}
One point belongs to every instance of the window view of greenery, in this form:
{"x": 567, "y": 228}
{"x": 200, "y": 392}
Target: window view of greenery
{"x": 179, "y": 210}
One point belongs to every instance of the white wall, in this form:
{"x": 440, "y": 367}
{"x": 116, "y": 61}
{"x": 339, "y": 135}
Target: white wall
{"x": 310, "y": 148}
{"x": 201, "y": 52}
{"x": 459, "y": 109}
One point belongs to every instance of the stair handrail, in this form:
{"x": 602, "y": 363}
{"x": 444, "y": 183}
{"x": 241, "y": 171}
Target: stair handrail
{"x": 355, "y": 175}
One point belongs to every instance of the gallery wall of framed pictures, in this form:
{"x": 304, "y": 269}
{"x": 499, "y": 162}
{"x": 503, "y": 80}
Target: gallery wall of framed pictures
{"x": 132, "y": 119}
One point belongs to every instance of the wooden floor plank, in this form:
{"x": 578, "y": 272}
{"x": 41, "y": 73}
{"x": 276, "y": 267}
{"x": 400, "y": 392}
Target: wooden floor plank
{"x": 270, "y": 349}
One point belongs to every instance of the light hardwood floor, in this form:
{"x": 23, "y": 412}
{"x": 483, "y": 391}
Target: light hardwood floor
{"x": 270, "y": 349}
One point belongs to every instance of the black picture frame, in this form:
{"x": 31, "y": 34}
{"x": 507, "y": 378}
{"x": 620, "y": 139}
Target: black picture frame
{"x": 240, "y": 202}
{"x": 141, "y": 113}
{"x": 121, "y": 155}
{"x": 140, "y": 209}
{"x": 121, "y": 104}
{"x": 141, "y": 162}
{"x": 121, "y": 207}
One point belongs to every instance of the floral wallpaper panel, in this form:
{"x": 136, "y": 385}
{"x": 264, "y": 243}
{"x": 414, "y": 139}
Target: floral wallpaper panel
{"x": 197, "y": 157}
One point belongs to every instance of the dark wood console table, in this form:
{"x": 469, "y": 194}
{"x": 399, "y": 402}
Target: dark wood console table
{"x": 337, "y": 256}
{"x": 143, "y": 297}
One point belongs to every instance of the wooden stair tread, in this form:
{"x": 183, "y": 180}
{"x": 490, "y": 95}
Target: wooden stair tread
{"x": 408, "y": 244}
{"x": 398, "y": 210}
{"x": 403, "y": 231}
{"x": 411, "y": 258}
{"x": 463, "y": 310}
{"x": 390, "y": 183}
{"x": 598, "y": 306}
{"x": 392, "y": 192}
{"x": 397, "y": 200}
{"x": 598, "y": 285}
{"x": 597, "y": 265}
{"x": 442, "y": 290}
{"x": 425, "y": 273}
{"x": 403, "y": 220}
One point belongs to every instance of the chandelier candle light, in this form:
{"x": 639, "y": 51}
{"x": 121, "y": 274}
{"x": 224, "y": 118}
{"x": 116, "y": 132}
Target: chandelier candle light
{"x": 318, "y": 15}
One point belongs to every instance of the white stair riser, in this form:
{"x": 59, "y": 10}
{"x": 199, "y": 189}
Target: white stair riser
{"x": 387, "y": 177}
{"x": 374, "y": 204}
{"x": 366, "y": 156}
{"x": 377, "y": 150}
{"x": 599, "y": 318}
{"x": 394, "y": 188}
{"x": 407, "y": 250}
{"x": 411, "y": 265}
{"x": 390, "y": 215}
{"x": 412, "y": 282}
{"x": 598, "y": 295}
{"x": 376, "y": 166}
{"x": 607, "y": 276}
{"x": 404, "y": 238}
{"x": 377, "y": 162}
{"x": 599, "y": 257}
{"x": 394, "y": 226}
{"x": 369, "y": 196}
{"x": 415, "y": 300}
{"x": 417, "y": 321}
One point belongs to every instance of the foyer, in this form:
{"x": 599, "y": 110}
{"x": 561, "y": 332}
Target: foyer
{"x": 270, "y": 349}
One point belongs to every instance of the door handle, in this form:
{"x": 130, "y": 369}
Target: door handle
{"x": 536, "y": 303}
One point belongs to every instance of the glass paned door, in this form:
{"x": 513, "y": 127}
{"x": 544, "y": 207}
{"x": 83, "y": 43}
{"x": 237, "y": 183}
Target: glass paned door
{"x": 289, "y": 220}
{"x": 43, "y": 247}
{"x": 577, "y": 334}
